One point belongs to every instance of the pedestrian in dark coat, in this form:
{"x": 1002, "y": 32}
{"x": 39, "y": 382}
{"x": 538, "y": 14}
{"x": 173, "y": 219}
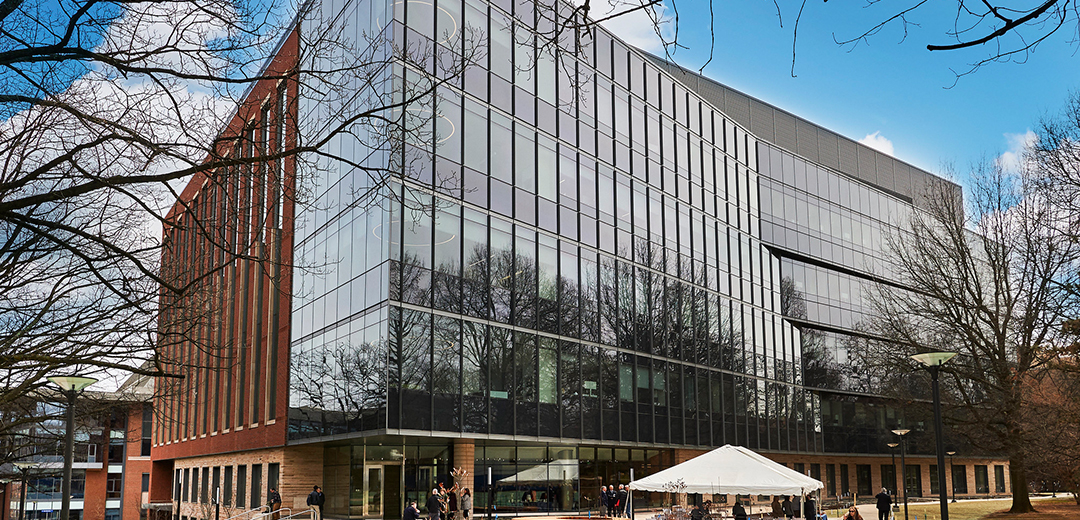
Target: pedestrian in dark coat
{"x": 612, "y": 497}
{"x": 809, "y": 508}
{"x": 789, "y": 510}
{"x": 620, "y": 501}
{"x": 434, "y": 505}
{"x": 738, "y": 512}
{"x": 273, "y": 499}
{"x": 604, "y": 509}
{"x": 315, "y": 501}
{"x": 411, "y": 512}
{"x": 884, "y": 504}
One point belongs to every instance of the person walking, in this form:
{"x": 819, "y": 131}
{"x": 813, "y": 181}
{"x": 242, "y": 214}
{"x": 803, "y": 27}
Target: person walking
{"x": 884, "y": 504}
{"x": 273, "y": 500}
{"x": 434, "y": 505}
{"x": 603, "y": 501}
{"x": 466, "y": 504}
{"x": 315, "y": 501}
{"x": 788, "y": 509}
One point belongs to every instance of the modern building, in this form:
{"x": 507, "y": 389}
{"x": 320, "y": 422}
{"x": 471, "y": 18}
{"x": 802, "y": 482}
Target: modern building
{"x": 111, "y": 469}
{"x": 558, "y": 271}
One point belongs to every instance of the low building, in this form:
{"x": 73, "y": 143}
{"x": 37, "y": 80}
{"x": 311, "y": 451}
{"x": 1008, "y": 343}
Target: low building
{"x": 111, "y": 468}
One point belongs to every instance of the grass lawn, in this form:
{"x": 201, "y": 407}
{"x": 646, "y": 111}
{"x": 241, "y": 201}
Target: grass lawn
{"x": 961, "y": 510}
{"x": 976, "y": 509}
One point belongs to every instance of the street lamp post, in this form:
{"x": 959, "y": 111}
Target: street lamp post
{"x": 24, "y": 468}
{"x": 950, "y": 454}
{"x": 933, "y": 361}
{"x": 892, "y": 451}
{"x": 70, "y": 387}
{"x": 903, "y": 467}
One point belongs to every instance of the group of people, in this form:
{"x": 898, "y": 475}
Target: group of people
{"x": 781, "y": 509}
{"x": 787, "y": 509}
{"x": 614, "y": 503}
{"x": 443, "y": 500}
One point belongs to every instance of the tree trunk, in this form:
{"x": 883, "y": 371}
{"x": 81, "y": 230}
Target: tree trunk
{"x": 1021, "y": 502}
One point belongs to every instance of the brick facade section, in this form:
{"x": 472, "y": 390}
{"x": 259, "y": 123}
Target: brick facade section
{"x": 246, "y": 458}
{"x": 94, "y": 504}
{"x": 269, "y": 428}
{"x": 135, "y": 464}
{"x": 301, "y": 470}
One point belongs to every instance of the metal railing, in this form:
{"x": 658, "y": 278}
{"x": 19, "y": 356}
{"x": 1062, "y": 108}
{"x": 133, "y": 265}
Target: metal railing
{"x": 248, "y": 512}
{"x": 269, "y": 514}
{"x": 306, "y": 513}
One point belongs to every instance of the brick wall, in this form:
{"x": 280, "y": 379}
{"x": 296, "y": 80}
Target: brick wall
{"x": 876, "y": 462}
{"x": 301, "y": 469}
{"x": 243, "y": 458}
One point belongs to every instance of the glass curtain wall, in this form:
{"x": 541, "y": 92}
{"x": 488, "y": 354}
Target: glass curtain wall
{"x": 568, "y": 255}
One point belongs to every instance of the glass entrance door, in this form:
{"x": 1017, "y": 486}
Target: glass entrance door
{"x": 373, "y": 492}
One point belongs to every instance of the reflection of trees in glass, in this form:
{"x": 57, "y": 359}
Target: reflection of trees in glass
{"x": 830, "y": 360}
{"x": 339, "y": 387}
{"x": 523, "y": 279}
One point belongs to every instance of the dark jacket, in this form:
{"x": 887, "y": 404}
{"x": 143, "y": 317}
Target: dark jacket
{"x": 411, "y": 513}
{"x": 883, "y": 501}
{"x": 612, "y": 496}
{"x": 698, "y": 513}
{"x": 434, "y": 507}
{"x": 789, "y": 510}
{"x": 738, "y": 512}
{"x": 316, "y": 498}
{"x": 620, "y": 498}
{"x": 809, "y": 509}
{"x": 273, "y": 497}
{"x": 603, "y": 497}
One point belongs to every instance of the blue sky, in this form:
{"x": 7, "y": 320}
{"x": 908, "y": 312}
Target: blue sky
{"x": 895, "y": 88}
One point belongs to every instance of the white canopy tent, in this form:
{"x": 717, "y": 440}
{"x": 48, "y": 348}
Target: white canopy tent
{"x": 730, "y": 470}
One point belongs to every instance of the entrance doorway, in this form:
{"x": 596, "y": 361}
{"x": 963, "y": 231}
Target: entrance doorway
{"x": 377, "y": 492}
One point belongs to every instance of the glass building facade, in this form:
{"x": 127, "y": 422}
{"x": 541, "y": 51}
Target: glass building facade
{"x": 579, "y": 261}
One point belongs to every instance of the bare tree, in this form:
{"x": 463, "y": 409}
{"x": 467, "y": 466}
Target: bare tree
{"x": 109, "y": 107}
{"x": 985, "y": 283}
{"x": 1054, "y": 454}
{"x": 991, "y": 31}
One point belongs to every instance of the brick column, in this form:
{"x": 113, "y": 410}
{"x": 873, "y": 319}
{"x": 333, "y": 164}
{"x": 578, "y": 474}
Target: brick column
{"x": 464, "y": 453}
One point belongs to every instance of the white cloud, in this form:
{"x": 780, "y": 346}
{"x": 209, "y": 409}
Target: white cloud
{"x": 636, "y": 27}
{"x": 878, "y": 142}
{"x": 1010, "y": 160}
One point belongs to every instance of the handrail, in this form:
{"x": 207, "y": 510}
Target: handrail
{"x": 249, "y": 511}
{"x": 270, "y": 512}
{"x": 295, "y": 515}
